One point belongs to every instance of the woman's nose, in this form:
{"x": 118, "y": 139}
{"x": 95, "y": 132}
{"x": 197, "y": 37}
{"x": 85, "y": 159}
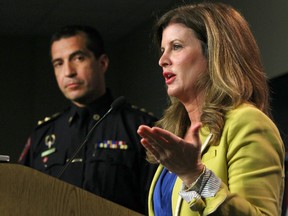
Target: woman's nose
{"x": 164, "y": 60}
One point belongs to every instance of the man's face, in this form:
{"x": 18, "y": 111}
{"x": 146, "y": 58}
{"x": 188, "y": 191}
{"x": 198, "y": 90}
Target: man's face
{"x": 79, "y": 74}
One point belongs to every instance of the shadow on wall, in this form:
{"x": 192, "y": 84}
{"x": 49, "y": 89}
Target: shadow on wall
{"x": 279, "y": 104}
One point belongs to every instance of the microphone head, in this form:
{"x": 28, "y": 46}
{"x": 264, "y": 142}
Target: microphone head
{"x": 117, "y": 103}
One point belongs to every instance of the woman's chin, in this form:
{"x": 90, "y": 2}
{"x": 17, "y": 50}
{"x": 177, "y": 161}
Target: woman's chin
{"x": 172, "y": 93}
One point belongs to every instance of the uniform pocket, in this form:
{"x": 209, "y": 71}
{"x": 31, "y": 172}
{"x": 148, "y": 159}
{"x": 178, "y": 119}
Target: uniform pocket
{"x": 114, "y": 157}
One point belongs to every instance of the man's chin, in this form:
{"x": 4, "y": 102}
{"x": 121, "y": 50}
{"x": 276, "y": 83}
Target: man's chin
{"x": 77, "y": 99}
{"x": 82, "y": 99}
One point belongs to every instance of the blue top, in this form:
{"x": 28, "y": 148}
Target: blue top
{"x": 163, "y": 193}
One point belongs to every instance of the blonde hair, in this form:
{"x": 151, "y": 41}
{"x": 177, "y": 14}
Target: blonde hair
{"x": 235, "y": 72}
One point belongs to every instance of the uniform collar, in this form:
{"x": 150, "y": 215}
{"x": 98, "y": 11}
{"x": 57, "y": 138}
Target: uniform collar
{"x": 96, "y": 109}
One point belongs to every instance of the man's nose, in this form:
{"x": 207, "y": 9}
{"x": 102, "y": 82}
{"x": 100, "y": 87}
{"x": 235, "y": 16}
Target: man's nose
{"x": 70, "y": 70}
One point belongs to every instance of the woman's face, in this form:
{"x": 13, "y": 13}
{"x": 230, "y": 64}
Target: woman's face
{"x": 182, "y": 61}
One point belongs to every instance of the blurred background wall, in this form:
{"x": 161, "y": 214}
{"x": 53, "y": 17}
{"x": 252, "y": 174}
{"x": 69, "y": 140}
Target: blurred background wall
{"x": 28, "y": 88}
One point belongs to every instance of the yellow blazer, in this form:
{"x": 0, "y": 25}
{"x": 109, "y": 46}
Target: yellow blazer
{"x": 249, "y": 160}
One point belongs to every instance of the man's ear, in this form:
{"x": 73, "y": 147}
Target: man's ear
{"x": 104, "y": 62}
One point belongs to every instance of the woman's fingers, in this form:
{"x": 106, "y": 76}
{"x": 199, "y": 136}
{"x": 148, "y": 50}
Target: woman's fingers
{"x": 150, "y": 148}
{"x": 150, "y": 141}
{"x": 170, "y": 149}
{"x": 195, "y": 134}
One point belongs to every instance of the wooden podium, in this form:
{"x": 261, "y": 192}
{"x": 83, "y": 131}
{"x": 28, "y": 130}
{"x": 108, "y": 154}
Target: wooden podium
{"x": 28, "y": 192}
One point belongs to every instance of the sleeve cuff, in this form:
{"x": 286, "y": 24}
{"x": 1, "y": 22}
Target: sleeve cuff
{"x": 207, "y": 185}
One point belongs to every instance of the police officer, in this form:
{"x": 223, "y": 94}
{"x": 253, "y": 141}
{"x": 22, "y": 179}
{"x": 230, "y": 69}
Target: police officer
{"x": 112, "y": 163}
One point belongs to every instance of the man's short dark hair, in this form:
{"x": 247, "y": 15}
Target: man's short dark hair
{"x": 94, "y": 42}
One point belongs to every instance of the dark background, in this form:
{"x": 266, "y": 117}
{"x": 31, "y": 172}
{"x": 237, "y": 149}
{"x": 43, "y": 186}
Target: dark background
{"x": 28, "y": 88}
{"x": 279, "y": 104}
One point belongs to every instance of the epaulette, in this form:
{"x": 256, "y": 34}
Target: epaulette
{"x": 47, "y": 119}
{"x": 142, "y": 110}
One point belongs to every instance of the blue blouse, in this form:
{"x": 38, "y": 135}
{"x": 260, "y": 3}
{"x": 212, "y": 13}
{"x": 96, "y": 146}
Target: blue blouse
{"x": 163, "y": 192}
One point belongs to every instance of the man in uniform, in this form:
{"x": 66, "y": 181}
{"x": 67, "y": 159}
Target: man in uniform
{"x": 112, "y": 163}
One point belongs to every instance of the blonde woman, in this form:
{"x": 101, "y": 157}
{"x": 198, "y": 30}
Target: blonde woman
{"x": 218, "y": 150}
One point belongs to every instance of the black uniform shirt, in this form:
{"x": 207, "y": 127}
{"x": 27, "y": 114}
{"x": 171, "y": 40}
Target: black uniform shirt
{"x": 112, "y": 164}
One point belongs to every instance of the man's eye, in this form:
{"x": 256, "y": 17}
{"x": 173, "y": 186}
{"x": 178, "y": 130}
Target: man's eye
{"x": 57, "y": 64}
{"x": 79, "y": 58}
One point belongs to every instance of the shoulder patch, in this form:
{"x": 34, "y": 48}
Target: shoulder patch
{"x": 142, "y": 110}
{"x": 47, "y": 119}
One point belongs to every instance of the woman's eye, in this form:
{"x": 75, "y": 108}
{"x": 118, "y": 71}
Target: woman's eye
{"x": 176, "y": 46}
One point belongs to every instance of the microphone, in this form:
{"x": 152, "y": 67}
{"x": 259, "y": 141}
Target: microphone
{"x": 116, "y": 104}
